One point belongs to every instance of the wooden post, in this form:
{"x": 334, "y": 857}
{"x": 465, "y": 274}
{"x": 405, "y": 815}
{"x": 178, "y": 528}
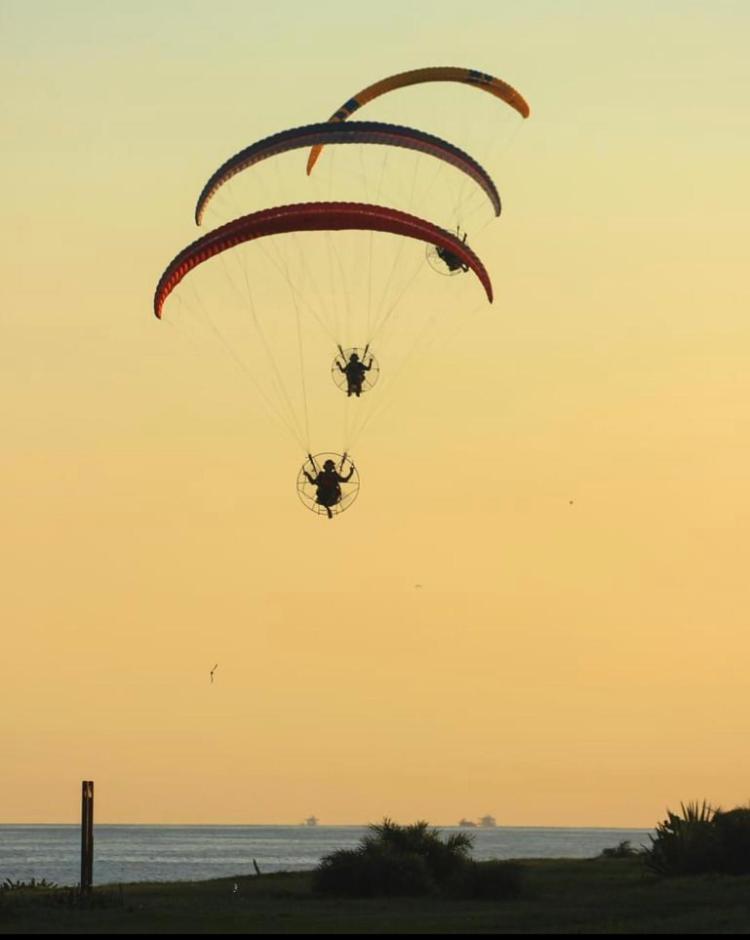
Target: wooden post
{"x": 87, "y": 835}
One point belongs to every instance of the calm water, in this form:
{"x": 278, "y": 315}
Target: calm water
{"x": 125, "y": 854}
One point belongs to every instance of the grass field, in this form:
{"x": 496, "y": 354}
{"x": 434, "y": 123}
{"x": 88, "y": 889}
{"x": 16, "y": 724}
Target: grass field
{"x": 560, "y": 896}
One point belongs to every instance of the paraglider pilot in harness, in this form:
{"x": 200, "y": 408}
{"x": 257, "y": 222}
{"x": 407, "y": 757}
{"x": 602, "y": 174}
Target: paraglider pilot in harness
{"x": 453, "y": 262}
{"x": 354, "y": 370}
{"x": 328, "y": 483}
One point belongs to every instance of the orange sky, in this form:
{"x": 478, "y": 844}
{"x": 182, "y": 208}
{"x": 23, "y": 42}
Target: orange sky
{"x": 563, "y": 473}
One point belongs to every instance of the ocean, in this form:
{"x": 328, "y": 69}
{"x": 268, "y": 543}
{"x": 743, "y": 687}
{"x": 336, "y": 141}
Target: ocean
{"x": 125, "y": 854}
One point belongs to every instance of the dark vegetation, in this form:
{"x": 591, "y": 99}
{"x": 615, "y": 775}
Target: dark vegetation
{"x": 409, "y": 861}
{"x": 623, "y": 849}
{"x": 701, "y": 840}
{"x": 31, "y": 885}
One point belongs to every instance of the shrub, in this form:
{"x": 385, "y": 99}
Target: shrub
{"x": 443, "y": 859}
{"x": 33, "y": 884}
{"x": 733, "y": 835}
{"x": 394, "y": 860}
{"x": 684, "y": 845}
{"x": 623, "y": 849}
{"x": 376, "y": 871}
{"x": 703, "y": 839}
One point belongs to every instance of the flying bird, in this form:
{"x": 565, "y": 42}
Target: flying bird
{"x": 213, "y": 671}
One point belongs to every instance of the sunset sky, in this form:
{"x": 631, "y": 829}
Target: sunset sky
{"x": 538, "y": 605}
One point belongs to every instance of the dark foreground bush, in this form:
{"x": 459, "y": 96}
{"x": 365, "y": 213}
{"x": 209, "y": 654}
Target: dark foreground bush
{"x": 489, "y": 881}
{"x": 702, "y": 840}
{"x": 413, "y": 860}
{"x": 373, "y": 872}
{"x": 733, "y": 836}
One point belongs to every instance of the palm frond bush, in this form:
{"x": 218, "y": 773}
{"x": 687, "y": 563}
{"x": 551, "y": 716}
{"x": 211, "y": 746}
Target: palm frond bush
{"x": 702, "y": 839}
{"x": 373, "y": 871}
{"x": 623, "y": 849}
{"x": 684, "y": 845}
{"x": 442, "y": 858}
{"x": 394, "y": 860}
{"x": 733, "y": 834}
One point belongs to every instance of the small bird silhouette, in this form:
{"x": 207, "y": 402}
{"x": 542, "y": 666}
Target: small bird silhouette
{"x": 213, "y": 671}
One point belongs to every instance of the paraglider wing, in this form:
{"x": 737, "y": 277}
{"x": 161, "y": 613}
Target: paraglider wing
{"x": 356, "y": 132}
{"x": 313, "y": 216}
{"x": 488, "y": 83}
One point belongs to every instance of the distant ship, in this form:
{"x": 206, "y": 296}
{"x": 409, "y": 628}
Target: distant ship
{"x": 311, "y": 821}
{"x": 487, "y": 822}
{"x": 467, "y": 824}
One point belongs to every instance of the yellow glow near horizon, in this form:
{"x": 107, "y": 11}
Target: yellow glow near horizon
{"x": 565, "y": 475}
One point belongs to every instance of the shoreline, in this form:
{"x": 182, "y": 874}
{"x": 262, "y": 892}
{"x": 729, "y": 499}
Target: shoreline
{"x": 128, "y": 853}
